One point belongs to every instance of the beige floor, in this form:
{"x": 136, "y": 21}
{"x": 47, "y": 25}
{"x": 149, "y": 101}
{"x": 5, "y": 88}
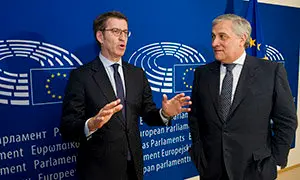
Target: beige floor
{"x": 287, "y": 174}
{"x": 290, "y": 174}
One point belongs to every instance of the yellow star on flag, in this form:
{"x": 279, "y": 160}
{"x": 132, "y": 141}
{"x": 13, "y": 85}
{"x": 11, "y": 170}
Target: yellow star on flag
{"x": 258, "y": 47}
{"x": 252, "y": 42}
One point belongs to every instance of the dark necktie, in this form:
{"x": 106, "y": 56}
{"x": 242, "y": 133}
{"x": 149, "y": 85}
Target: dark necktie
{"x": 226, "y": 92}
{"x": 119, "y": 87}
{"x": 120, "y": 95}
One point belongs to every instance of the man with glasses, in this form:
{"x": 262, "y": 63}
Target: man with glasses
{"x": 102, "y": 103}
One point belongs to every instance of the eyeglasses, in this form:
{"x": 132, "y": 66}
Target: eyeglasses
{"x": 117, "y": 32}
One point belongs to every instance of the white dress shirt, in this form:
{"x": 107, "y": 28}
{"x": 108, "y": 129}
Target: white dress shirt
{"x": 110, "y": 72}
{"x": 236, "y": 72}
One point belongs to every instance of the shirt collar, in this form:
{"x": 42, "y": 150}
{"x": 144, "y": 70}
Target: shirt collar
{"x": 241, "y": 59}
{"x": 107, "y": 63}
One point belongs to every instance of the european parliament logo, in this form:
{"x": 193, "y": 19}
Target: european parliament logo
{"x": 271, "y": 53}
{"x": 274, "y": 54}
{"x": 22, "y": 84}
{"x": 169, "y": 66}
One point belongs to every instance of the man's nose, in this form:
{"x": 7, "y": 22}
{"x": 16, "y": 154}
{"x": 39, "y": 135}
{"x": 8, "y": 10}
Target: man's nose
{"x": 215, "y": 42}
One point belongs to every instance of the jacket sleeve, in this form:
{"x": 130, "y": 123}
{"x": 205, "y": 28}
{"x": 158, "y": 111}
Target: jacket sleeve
{"x": 283, "y": 116}
{"x": 149, "y": 111}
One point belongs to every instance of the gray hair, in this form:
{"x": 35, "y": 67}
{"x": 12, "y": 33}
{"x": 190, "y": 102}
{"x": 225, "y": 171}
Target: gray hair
{"x": 240, "y": 25}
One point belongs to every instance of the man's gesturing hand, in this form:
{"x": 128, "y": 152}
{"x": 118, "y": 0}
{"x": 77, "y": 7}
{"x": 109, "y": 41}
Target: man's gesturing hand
{"x": 175, "y": 105}
{"x": 104, "y": 115}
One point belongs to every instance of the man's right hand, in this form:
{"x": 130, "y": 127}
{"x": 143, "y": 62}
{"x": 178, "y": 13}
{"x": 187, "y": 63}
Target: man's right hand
{"x": 104, "y": 115}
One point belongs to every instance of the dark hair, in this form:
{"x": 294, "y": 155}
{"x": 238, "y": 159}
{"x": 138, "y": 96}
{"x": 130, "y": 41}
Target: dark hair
{"x": 100, "y": 22}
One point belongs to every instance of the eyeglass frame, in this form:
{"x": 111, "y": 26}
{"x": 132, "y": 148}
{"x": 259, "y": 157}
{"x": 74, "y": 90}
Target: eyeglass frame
{"x": 117, "y": 32}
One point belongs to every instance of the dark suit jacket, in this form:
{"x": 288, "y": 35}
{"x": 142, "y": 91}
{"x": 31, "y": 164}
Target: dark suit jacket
{"x": 104, "y": 155}
{"x": 245, "y": 140}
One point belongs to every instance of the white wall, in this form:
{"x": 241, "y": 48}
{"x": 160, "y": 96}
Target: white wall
{"x": 291, "y": 3}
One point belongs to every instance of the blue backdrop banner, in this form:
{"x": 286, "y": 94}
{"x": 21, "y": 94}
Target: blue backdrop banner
{"x": 42, "y": 41}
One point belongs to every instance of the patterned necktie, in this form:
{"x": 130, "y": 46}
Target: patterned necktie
{"x": 120, "y": 94}
{"x": 119, "y": 87}
{"x": 226, "y": 92}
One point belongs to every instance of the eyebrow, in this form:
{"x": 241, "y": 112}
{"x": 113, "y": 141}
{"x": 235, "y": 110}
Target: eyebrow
{"x": 116, "y": 28}
{"x": 222, "y": 33}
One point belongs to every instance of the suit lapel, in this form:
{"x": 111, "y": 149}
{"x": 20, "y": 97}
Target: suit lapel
{"x": 128, "y": 85}
{"x": 101, "y": 78}
{"x": 247, "y": 77}
{"x": 214, "y": 84}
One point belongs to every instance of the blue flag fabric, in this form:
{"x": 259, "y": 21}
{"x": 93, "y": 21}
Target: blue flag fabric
{"x": 257, "y": 47}
{"x": 229, "y": 7}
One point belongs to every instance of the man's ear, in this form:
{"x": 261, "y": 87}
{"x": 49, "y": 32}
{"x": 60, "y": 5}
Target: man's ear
{"x": 243, "y": 39}
{"x": 100, "y": 36}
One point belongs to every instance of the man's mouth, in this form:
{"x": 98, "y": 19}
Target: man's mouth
{"x": 122, "y": 46}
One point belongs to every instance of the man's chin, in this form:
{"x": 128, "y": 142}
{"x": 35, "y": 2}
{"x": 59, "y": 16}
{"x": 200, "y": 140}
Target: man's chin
{"x": 122, "y": 52}
{"x": 218, "y": 58}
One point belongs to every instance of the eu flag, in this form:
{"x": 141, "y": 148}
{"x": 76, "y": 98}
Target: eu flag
{"x": 48, "y": 85}
{"x": 184, "y": 77}
{"x": 257, "y": 47}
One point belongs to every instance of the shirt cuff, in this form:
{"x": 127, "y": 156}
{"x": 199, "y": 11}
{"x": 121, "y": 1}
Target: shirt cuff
{"x": 278, "y": 168}
{"x": 164, "y": 119}
{"x": 87, "y": 132}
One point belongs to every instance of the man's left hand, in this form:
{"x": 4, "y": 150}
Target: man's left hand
{"x": 175, "y": 105}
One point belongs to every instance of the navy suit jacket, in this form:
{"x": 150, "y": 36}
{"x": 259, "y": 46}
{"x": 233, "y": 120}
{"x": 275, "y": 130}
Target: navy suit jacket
{"x": 104, "y": 155}
{"x": 244, "y": 142}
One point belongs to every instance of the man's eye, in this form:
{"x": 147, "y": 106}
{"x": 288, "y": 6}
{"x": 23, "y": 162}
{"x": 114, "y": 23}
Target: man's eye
{"x": 115, "y": 30}
{"x": 223, "y": 37}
